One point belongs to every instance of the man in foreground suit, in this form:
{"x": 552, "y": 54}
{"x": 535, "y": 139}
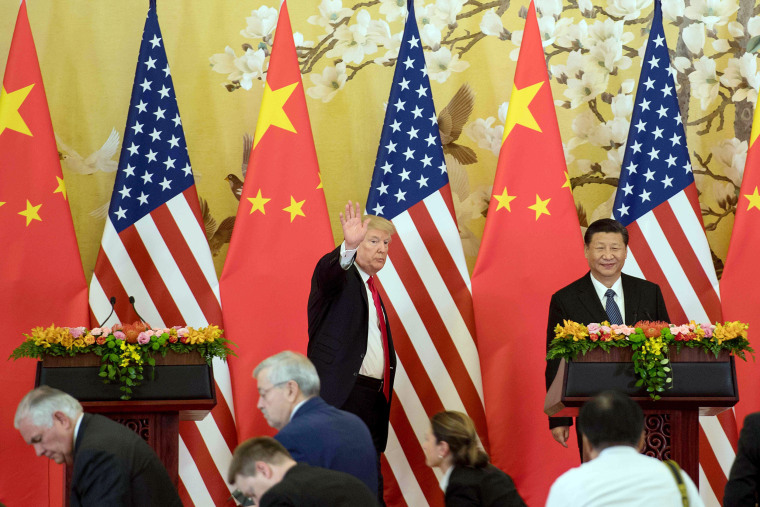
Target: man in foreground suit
{"x": 743, "y": 486}
{"x": 262, "y": 470}
{"x": 618, "y": 474}
{"x": 602, "y": 294}
{"x": 312, "y": 431}
{"x": 112, "y": 465}
{"x": 349, "y": 335}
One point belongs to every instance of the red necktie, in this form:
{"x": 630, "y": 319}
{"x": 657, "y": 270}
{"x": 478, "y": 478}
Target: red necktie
{"x": 384, "y": 331}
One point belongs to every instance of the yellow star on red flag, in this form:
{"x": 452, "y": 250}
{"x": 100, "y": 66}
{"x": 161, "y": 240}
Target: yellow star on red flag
{"x": 272, "y": 112}
{"x": 754, "y": 200}
{"x": 61, "y": 188}
{"x": 257, "y": 203}
{"x": 9, "y": 106}
{"x": 504, "y": 200}
{"x": 541, "y": 206}
{"x": 31, "y": 212}
{"x": 295, "y": 208}
{"x": 519, "y": 112}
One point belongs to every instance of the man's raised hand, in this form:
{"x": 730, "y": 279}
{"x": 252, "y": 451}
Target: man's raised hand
{"x": 354, "y": 229}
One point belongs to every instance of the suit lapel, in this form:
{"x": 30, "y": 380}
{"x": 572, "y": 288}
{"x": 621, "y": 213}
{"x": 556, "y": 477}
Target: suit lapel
{"x": 590, "y": 299}
{"x": 631, "y": 296}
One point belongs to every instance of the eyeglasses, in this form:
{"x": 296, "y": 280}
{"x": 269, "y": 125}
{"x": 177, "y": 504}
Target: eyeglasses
{"x": 263, "y": 392}
{"x": 242, "y": 499}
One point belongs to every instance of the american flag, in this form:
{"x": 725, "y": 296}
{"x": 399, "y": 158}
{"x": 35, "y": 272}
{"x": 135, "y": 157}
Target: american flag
{"x": 154, "y": 248}
{"x": 426, "y": 285}
{"x": 657, "y": 201}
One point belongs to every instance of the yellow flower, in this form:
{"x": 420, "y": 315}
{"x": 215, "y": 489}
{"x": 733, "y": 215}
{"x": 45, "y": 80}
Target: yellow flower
{"x": 89, "y": 339}
{"x": 79, "y": 343}
{"x": 729, "y": 331}
{"x": 67, "y": 341}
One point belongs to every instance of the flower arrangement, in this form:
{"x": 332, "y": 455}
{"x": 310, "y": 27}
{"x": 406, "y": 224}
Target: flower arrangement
{"x": 124, "y": 349}
{"x": 651, "y": 343}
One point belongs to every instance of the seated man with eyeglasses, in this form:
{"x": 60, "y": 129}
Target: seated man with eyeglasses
{"x": 311, "y": 430}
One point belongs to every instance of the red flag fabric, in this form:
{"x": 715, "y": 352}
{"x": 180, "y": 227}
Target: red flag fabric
{"x": 742, "y": 271}
{"x": 154, "y": 250}
{"x": 281, "y": 230}
{"x": 531, "y": 248}
{"x": 41, "y": 276}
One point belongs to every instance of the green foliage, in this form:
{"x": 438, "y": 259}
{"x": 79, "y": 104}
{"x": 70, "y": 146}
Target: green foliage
{"x": 651, "y": 344}
{"x": 125, "y": 350}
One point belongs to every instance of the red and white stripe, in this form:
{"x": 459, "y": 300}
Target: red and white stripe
{"x": 669, "y": 247}
{"x": 426, "y": 290}
{"x": 165, "y": 263}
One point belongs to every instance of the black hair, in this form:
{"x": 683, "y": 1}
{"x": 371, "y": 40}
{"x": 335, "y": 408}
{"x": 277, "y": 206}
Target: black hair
{"x": 611, "y": 418}
{"x": 605, "y": 225}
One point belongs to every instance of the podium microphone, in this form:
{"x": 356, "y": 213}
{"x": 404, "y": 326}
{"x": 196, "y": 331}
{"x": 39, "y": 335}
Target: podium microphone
{"x": 113, "y": 307}
{"x": 132, "y": 302}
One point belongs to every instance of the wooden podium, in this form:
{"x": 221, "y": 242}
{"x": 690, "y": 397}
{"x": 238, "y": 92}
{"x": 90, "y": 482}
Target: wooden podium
{"x": 702, "y": 385}
{"x": 181, "y": 389}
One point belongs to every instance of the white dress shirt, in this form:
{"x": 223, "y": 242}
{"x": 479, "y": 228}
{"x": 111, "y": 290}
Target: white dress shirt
{"x": 622, "y": 477}
{"x": 619, "y": 298}
{"x": 373, "y": 364}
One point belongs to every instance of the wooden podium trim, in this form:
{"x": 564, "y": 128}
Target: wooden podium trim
{"x": 625, "y": 355}
{"x": 91, "y": 359}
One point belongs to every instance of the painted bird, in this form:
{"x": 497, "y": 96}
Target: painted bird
{"x": 216, "y": 236}
{"x": 451, "y": 121}
{"x": 97, "y": 161}
{"x": 236, "y": 184}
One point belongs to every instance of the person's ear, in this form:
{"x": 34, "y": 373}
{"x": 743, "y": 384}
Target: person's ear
{"x": 443, "y": 449}
{"x": 263, "y": 469}
{"x": 642, "y": 439}
{"x": 292, "y": 390}
{"x": 588, "y": 450}
{"x": 62, "y": 418}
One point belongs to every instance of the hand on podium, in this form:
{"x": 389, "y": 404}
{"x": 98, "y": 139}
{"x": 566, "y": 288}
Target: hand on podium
{"x": 561, "y": 434}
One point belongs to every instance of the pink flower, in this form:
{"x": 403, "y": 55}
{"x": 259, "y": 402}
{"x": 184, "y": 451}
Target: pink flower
{"x": 149, "y": 333}
{"x": 605, "y": 329}
{"x": 593, "y": 328}
{"x": 120, "y": 335}
{"x": 106, "y": 330}
{"x": 628, "y": 331}
{"x": 708, "y": 329}
{"x": 683, "y": 329}
{"x": 96, "y": 332}
{"x": 182, "y": 332}
{"x": 76, "y": 332}
{"x": 143, "y": 338}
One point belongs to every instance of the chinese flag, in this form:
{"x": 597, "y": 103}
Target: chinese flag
{"x": 742, "y": 275}
{"x": 41, "y": 276}
{"x": 531, "y": 248}
{"x": 281, "y": 230}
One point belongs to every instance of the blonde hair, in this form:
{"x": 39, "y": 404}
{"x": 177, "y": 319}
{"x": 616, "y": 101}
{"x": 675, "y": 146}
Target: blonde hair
{"x": 458, "y": 430}
{"x": 380, "y": 224}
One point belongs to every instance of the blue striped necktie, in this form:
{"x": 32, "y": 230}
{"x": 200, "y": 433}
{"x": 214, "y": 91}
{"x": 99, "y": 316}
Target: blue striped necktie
{"x": 613, "y": 312}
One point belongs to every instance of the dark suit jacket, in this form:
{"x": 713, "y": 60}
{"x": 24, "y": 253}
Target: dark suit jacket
{"x": 486, "y": 487}
{"x": 321, "y": 435}
{"x": 580, "y": 303}
{"x": 113, "y": 466}
{"x": 338, "y": 319}
{"x": 307, "y": 486}
{"x": 743, "y": 486}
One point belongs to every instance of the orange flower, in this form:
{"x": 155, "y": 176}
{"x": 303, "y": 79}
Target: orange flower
{"x": 651, "y": 329}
